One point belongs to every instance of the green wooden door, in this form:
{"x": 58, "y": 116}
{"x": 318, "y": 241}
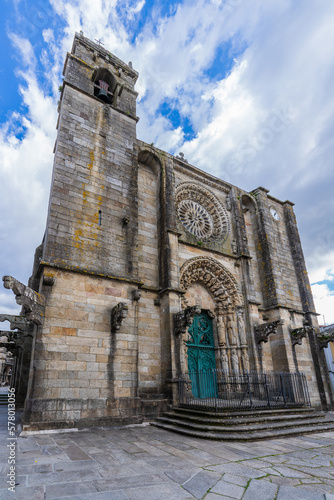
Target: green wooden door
{"x": 201, "y": 356}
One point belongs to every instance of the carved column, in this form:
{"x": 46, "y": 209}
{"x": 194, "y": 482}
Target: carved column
{"x": 222, "y": 341}
{"x": 242, "y": 338}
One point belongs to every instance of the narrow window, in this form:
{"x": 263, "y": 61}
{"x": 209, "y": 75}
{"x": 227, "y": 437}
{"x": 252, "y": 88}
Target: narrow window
{"x": 100, "y": 217}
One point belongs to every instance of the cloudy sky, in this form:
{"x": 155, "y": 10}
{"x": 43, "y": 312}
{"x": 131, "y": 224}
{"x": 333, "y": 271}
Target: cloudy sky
{"x": 245, "y": 88}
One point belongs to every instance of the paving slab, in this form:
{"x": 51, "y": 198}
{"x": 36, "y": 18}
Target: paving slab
{"x": 288, "y": 493}
{"x": 200, "y": 483}
{"x": 106, "y": 495}
{"x": 61, "y": 490}
{"x": 162, "y": 492}
{"x": 228, "y": 489}
{"x": 261, "y": 490}
{"x": 239, "y": 480}
{"x": 239, "y": 469}
{"x": 180, "y": 476}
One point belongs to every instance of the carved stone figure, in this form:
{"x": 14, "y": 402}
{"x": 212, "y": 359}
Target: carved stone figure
{"x": 231, "y": 331}
{"x": 298, "y": 334}
{"x": 118, "y": 313}
{"x": 245, "y": 359}
{"x": 32, "y": 302}
{"x": 224, "y": 360}
{"x": 184, "y": 319}
{"x": 221, "y": 331}
{"x": 325, "y": 335}
{"x": 234, "y": 360}
{"x": 241, "y": 325}
{"x": 263, "y": 331}
{"x": 17, "y": 322}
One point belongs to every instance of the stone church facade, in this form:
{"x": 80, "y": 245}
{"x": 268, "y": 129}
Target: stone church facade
{"x": 143, "y": 254}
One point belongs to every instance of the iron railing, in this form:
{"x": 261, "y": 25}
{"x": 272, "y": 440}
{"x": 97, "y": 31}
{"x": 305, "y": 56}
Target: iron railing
{"x": 216, "y": 390}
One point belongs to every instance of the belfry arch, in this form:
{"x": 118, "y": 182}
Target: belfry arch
{"x": 228, "y": 314}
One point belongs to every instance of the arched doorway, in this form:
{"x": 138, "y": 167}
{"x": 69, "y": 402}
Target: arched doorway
{"x": 201, "y": 356}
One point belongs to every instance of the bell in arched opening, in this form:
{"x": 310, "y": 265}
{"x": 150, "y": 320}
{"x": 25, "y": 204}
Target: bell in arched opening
{"x": 103, "y": 92}
{"x": 104, "y": 84}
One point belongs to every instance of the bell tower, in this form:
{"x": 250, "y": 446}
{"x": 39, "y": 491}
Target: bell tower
{"x": 93, "y": 195}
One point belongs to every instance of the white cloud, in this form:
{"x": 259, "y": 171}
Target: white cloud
{"x": 25, "y": 170}
{"x": 321, "y": 264}
{"x": 324, "y": 303}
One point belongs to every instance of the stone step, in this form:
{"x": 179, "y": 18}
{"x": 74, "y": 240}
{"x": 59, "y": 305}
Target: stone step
{"x": 255, "y": 426}
{"x": 240, "y": 420}
{"x": 251, "y": 435}
{"x": 241, "y": 413}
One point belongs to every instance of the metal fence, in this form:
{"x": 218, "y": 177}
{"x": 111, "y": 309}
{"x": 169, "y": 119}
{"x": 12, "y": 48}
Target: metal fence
{"x": 216, "y": 390}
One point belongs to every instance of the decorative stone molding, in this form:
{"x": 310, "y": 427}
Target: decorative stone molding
{"x": 263, "y": 331}
{"x": 184, "y": 319}
{"x": 201, "y": 213}
{"x": 32, "y": 302}
{"x": 215, "y": 278}
{"x": 325, "y": 336}
{"x": 118, "y": 313}
{"x": 298, "y": 334}
{"x": 17, "y": 322}
{"x": 203, "y": 179}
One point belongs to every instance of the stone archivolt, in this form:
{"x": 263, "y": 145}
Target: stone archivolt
{"x": 229, "y": 311}
{"x": 215, "y": 277}
{"x": 201, "y": 213}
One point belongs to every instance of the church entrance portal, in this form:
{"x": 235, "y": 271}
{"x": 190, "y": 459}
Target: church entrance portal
{"x": 201, "y": 356}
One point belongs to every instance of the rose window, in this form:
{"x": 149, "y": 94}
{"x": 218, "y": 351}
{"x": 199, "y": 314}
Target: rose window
{"x": 201, "y": 213}
{"x": 195, "y": 219}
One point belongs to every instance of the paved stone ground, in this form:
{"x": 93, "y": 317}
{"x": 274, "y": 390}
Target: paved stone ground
{"x": 147, "y": 463}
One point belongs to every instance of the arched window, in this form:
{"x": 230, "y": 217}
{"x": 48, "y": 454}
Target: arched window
{"x": 104, "y": 85}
